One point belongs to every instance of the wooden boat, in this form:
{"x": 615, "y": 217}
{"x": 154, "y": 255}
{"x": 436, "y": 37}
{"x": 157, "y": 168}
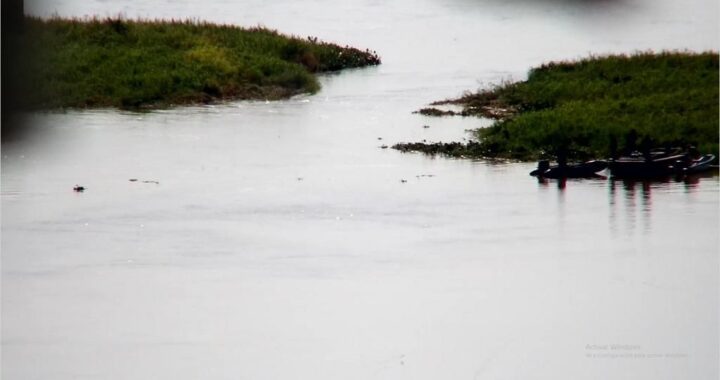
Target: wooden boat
{"x": 583, "y": 170}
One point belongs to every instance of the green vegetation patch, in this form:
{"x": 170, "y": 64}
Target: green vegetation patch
{"x": 130, "y": 64}
{"x": 667, "y": 98}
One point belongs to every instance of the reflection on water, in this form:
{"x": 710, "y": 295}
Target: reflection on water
{"x": 630, "y": 196}
{"x": 634, "y": 191}
{"x": 631, "y": 203}
{"x": 692, "y": 182}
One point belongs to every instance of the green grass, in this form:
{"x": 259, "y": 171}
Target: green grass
{"x": 142, "y": 63}
{"x": 667, "y": 98}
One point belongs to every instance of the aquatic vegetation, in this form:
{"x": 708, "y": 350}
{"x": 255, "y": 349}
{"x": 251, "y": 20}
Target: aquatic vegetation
{"x": 115, "y": 62}
{"x": 452, "y": 149}
{"x": 432, "y": 111}
{"x": 669, "y": 98}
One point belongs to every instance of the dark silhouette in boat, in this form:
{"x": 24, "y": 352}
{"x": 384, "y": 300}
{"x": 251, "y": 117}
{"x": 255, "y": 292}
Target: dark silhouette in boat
{"x": 644, "y": 162}
{"x": 563, "y": 170}
{"x": 658, "y": 163}
{"x": 636, "y": 162}
{"x": 652, "y": 165}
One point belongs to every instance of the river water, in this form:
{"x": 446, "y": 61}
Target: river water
{"x": 280, "y": 241}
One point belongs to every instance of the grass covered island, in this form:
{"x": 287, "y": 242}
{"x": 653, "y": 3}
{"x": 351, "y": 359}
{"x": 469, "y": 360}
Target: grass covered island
{"x": 141, "y": 63}
{"x": 668, "y": 98}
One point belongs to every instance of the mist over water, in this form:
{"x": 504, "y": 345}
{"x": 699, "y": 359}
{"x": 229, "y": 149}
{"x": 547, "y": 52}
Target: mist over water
{"x": 281, "y": 242}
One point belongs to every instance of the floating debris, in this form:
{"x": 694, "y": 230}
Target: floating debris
{"x": 426, "y": 126}
{"x": 145, "y": 181}
{"x": 403, "y": 181}
{"x": 379, "y": 138}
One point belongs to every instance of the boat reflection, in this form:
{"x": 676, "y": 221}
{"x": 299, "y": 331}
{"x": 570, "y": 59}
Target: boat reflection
{"x": 561, "y": 183}
{"x": 631, "y": 193}
{"x": 692, "y": 182}
{"x": 638, "y": 198}
{"x": 631, "y": 202}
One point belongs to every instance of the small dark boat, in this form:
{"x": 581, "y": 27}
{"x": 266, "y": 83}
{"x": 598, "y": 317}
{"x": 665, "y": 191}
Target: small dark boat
{"x": 655, "y": 165}
{"x": 79, "y": 188}
{"x": 583, "y": 170}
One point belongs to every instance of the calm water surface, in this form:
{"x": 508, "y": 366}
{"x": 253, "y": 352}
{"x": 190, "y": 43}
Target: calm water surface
{"x": 281, "y": 242}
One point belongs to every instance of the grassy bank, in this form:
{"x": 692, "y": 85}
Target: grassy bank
{"x": 667, "y": 98}
{"x": 123, "y": 63}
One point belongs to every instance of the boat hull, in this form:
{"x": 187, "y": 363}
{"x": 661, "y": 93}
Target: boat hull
{"x": 701, "y": 165}
{"x": 584, "y": 170}
{"x": 638, "y": 167}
